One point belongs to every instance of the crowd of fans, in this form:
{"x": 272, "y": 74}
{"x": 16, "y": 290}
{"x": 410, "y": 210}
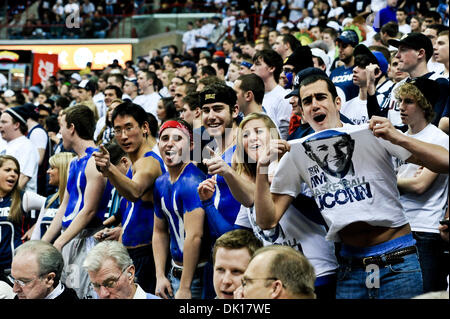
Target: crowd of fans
{"x": 249, "y": 163}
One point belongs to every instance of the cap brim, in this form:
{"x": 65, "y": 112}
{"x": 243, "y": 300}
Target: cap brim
{"x": 394, "y": 43}
{"x": 293, "y": 93}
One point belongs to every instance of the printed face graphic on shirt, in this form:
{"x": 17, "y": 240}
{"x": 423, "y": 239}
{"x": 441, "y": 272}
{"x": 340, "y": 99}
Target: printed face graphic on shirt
{"x": 333, "y": 154}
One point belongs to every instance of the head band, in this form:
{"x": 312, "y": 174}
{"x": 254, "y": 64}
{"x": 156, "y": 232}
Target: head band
{"x": 246, "y": 64}
{"x": 178, "y": 125}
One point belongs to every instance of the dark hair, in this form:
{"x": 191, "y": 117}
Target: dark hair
{"x": 223, "y": 90}
{"x": 272, "y": 59}
{"x": 115, "y": 88}
{"x": 402, "y": 10}
{"x": 82, "y": 118}
{"x": 131, "y": 109}
{"x": 222, "y": 65}
{"x": 434, "y": 15}
{"x": 314, "y": 78}
{"x": 153, "y": 124}
{"x": 208, "y": 70}
{"x": 115, "y": 152}
{"x": 193, "y": 100}
{"x": 51, "y": 123}
{"x": 438, "y": 27}
{"x": 170, "y": 108}
{"x": 252, "y": 82}
{"x": 63, "y": 102}
{"x": 293, "y": 42}
{"x": 391, "y": 28}
{"x": 119, "y": 78}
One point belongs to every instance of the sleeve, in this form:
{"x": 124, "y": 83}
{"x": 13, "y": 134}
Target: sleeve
{"x": 36, "y": 235}
{"x": 217, "y": 224}
{"x": 395, "y": 150}
{"x": 373, "y": 108}
{"x": 287, "y": 179}
{"x": 32, "y": 201}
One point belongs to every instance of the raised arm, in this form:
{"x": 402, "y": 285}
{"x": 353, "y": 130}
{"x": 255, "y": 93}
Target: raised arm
{"x": 146, "y": 170}
{"x": 431, "y": 156}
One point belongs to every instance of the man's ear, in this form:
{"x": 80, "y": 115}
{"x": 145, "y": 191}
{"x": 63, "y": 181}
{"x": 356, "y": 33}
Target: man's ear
{"x": 197, "y": 112}
{"x": 248, "y": 96}
{"x": 338, "y": 103}
{"x": 50, "y": 280}
{"x": 276, "y": 289}
{"x": 235, "y": 112}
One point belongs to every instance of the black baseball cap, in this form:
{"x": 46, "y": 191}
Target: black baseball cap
{"x": 427, "y": 87}
{"x": 301, "y": 58}
{"x": 416, "y": 41}
{"x": 303, "y": 74}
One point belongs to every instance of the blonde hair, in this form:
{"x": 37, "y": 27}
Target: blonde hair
{"x": 408, "y": 89}
{"x": 240, "y": 164}
{"x": 61, "y": 161}
{"x": 15, "y": 211}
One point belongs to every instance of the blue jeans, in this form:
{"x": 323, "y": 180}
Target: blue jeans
{"x": 434, "y": 261}
{"x": 196, "y": 285}
{"x": 398, "y": 281}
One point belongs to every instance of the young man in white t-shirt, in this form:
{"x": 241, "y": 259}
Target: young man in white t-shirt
{"x": 13, "y": 127}
{"x": 424, "y": 195}
{"x": 362, "y": 209}
{"x": 268, "y": 64}
{"x": 149, "y": 95}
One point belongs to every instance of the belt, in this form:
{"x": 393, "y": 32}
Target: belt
{"x": 383, "y": 260}
{"x": 177, "y": 271}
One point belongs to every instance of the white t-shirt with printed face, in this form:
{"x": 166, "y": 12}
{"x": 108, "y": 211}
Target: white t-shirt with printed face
{"x": 349, "y": 183}
{"x": 425, "y": 210}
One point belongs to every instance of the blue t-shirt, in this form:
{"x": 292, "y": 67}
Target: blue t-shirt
{"x": 223, "y": 200}
{"x": 137, "y": 220}
{"x": 342, "y": 77}
{"x": 174, "y": 200}
{"x": 76, "y": 185}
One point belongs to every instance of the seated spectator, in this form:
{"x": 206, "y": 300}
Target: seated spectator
{"x": 278, "y": 272}
{"x": 36, "y": 271}
{"x": 112, "y": 272}
{"x": 231, "y": 254}
{"x": 101, "y": 25}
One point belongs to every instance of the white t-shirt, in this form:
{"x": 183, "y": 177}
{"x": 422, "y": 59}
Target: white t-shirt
{"x": 356, "y": 110}
{"x": 297, "y": 231}
{"x": 435, "y": 67}
{"x": 278, "y": 109}
{"x": 39, "y": 138}
{"x": 366, "y": 192}
{"x": 99, "y": 101}
{"x": 425, "y": 210}
{"x": 149, "y": 102}
{"x": 404, "y": 28}
{"x": 189, "y": 39}
{"x": 27, "y": 155}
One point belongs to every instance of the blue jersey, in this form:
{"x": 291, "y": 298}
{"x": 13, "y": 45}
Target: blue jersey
{"x": 11, "y": 232}
{"x": 224, "y": 201}
{"x": 173, "y": 200}
{"x": 76, "y": 185}
{"x": 49, "y": 214}
{"x": 137, "y": 221}
{"x": 342, "y": 77}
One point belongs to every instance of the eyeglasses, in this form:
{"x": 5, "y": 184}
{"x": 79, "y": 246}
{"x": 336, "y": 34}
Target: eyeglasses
{"x": 246, "y": 280}
{"x": 24, "y": 282}
{"x": 127, "y": 129}
{"x": 110, "y": 282}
